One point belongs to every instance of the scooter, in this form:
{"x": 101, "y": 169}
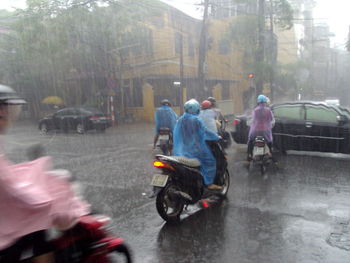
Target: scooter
{"x": 181, "y": 184}
{"x": 165, "y": 141}
{"x": 89, "y": 241}
{"x": 261, "y": 154}
{"x": 226, "y": 141}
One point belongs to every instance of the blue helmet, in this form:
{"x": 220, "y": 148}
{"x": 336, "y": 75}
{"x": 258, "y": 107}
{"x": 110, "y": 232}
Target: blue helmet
{"x": 261, "y": 99}
{"x": 192, "y": 106}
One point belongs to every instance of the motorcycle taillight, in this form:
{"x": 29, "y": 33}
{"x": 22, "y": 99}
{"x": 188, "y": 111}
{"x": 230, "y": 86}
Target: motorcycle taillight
{"x": 160, "y": 164}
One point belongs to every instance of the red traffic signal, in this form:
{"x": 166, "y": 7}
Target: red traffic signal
{"x": 250, "y": 76}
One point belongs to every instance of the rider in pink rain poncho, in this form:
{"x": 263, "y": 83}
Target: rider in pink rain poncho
{"x": 33, "y": 197}
{"x": 261, "y": 124}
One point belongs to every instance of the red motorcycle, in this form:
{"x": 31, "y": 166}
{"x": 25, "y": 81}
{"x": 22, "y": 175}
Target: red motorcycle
{"x": 89, "y": 241}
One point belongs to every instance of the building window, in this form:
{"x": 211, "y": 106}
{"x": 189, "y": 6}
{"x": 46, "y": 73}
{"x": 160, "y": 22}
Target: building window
{"x": 178, "y": 40}
{"x": 224, "y": 47}
{"x": 138, "y": 93}
{"x": 133, "y": 96}
{"x": 190, "y": 46}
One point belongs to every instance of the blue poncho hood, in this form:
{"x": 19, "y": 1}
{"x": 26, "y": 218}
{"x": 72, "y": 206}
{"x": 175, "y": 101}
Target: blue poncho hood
{"x": 165, "y": 117}
{"x": 190, "y": 136}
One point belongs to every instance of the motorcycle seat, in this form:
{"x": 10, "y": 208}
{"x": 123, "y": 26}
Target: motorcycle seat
{"x": 190, "y": 162}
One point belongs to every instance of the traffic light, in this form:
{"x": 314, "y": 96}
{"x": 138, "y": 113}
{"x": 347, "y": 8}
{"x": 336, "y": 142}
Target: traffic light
{"x": 250, "y": 76}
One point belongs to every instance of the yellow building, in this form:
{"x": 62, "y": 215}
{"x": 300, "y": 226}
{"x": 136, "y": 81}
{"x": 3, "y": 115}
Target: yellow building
{"x": 151, "y": 70}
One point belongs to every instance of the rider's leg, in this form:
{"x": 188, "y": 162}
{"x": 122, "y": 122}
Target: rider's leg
{"x": 250, "y": 150}
{"x": 271, "y": 154}
{"x": 215, "y": 151}
{"x": 155, "y": 140}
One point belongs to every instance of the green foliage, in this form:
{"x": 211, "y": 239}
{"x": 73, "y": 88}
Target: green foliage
{"x": 54, "y": 44}
{"x": 283, "y": 13}
{"x": 244, "y": 31}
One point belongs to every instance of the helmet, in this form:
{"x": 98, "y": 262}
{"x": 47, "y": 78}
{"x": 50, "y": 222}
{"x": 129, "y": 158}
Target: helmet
{"x": 9, "y": 96}
{"x": 192, "y": 106}
{"x": 211, "y": 99}
{"x": 165, "y": 102}
{"x": 206, "y": 104}
{"x": 261, "y": 99}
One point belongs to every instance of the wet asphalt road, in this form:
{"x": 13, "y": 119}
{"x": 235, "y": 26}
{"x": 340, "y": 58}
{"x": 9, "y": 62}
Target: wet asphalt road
{"x": 300, "y": 213}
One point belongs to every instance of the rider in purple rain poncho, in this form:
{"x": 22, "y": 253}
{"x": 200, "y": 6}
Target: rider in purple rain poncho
{"x": 190, "y": 136}
{"x": 164, "y": 117}
{"x": 261, "y": 125}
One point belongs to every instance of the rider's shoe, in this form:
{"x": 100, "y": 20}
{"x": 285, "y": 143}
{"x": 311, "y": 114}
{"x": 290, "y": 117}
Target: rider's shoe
{"x": 214, "y": 187}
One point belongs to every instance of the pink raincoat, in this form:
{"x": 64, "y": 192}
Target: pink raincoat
{"x": 33, "y": 198}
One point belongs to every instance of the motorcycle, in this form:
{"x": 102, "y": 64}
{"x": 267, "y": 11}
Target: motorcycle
{"x": 90, "y": 240}
{"x": 165, "y": 141}
{"x": 181, "y": 184}
{"x": 261, "y": 154}
{"x": 226, "y": 138}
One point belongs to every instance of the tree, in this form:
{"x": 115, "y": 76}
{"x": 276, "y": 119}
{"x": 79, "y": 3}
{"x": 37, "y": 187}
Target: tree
{"x": 248, "y": 32}
{"x": 54, "y": 46}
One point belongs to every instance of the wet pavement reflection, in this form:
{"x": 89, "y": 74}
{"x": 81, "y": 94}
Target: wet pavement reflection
{"x": 299, "y": 213}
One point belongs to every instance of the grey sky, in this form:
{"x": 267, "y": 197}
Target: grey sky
{"x": 335, "y": 12}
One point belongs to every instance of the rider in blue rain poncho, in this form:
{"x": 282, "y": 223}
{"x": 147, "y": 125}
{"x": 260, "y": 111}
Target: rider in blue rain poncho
{"x": 190, "y": 136}
{"x": 164, "y": 117}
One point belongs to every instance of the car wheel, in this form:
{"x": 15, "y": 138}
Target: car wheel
{"x": 80, "y": 128}
{"x": 43, "y": 128}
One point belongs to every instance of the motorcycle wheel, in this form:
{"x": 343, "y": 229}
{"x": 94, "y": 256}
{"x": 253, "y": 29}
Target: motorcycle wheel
{"x": 262, "y": 168}
{"x": 120, "y": 255}
{"x": 169, "y": 205}
{"x": 224, "y": 181}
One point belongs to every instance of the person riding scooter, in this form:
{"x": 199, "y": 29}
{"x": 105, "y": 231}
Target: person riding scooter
{"x": 261, "y": 125}
{"x": 208, "y": 116}
{"x": 190, "y": 136}
{"x": 33, "y": 198}
{"x": 164, "y": 117}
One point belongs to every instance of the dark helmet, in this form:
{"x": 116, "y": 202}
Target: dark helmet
{"x": 165, "y": 102}
{"x": 9, "y": 96}
{"x": 212, "y": 100}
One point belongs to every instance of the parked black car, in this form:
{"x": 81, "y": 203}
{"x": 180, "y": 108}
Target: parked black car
{"x": 304, "y": 126}
{"x": 79, "y": 119}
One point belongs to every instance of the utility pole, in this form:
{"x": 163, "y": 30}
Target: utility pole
{"x": 203, "y": 47}
{"x": 273, "y": 59}
{"x": 181, "y": 102}
{"x": 260, "y": 56}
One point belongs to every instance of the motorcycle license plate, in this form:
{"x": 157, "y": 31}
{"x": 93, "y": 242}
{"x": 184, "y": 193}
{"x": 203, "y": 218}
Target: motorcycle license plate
{"x": 163, "y": 137}
{"x": 259, "y": 151}
{"x": 159, "y": 180}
